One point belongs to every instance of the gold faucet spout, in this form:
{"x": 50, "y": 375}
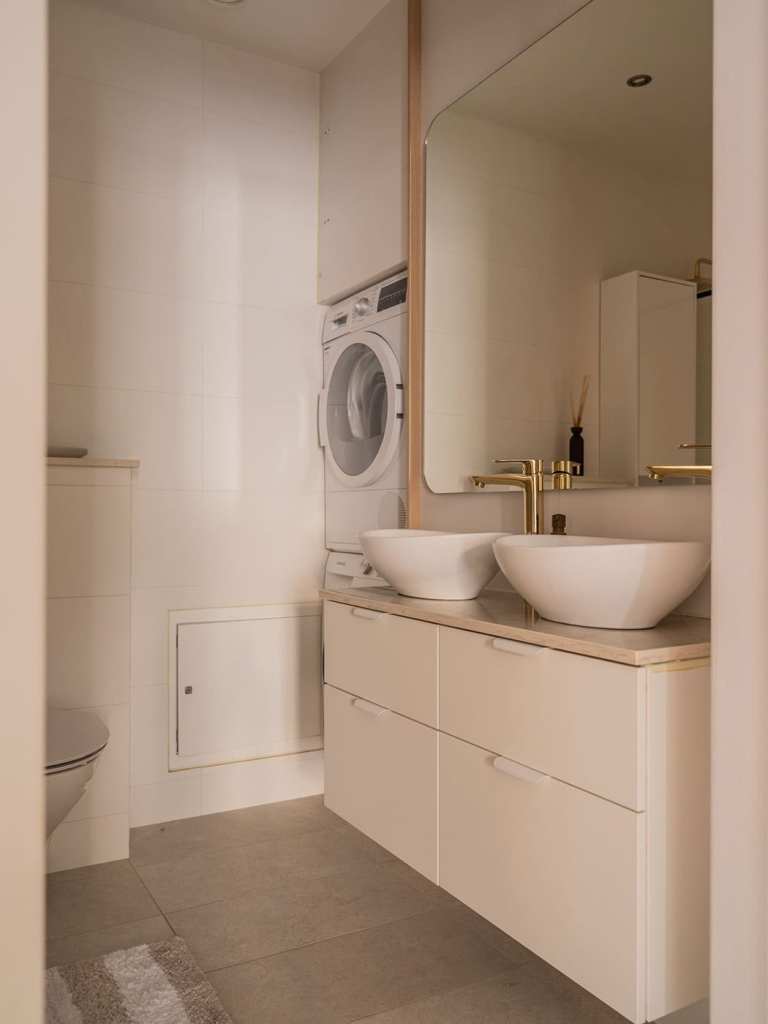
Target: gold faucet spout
{"x": 660, "y": 473}
{"x": 531, "y": 483}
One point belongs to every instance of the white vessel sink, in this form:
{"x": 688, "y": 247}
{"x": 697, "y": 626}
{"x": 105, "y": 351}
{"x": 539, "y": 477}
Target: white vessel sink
{"x": 601, "y": 582}
{"x": 431, "y": 563}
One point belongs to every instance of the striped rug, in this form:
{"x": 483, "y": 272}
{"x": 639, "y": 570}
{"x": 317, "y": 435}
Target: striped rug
{"x": 154, "y": 984}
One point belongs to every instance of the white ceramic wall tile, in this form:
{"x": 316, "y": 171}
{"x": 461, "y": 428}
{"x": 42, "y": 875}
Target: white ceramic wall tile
{"x": 123, "y": 239}
{"x": 108, "y": 790}
{"x": 282, "y": 345}
{"x": 223, "y": 349}
{"x": 227, "y": 787}
{"x": 76, "y": 844}
{"x": 117, "y": 137}
{"x": 88, "y": 651}
{"x": 105, "y": 337}
{"x": 87, "y": 550}
{"x": 264, "y": 94}
{"x": 163, "y": 431}
{"x": 280, "y": 446}
{"x": 149, "y": 734}
{"x": 88, "y": 476}
{"x": 178, "y": 796}
{"x": 92, "y": 43}
{"x": 224, "y": 450}
{"x": 168, "y": 539}
{"x": 149, "y": 629}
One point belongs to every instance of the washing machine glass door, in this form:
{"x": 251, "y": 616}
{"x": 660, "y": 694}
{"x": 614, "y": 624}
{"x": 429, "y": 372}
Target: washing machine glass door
{"x": 361, "y": 409}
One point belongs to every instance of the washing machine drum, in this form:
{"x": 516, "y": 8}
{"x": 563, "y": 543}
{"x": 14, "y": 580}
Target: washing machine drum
{"x": 361, "y": 409}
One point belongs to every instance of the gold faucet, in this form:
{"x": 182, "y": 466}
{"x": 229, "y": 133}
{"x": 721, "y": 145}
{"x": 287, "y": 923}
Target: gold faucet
{"x": 530, "y": 481}
{"x": 660, "y": 473}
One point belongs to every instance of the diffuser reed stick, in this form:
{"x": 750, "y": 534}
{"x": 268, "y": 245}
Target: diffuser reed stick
{"x": 577, "y": 408}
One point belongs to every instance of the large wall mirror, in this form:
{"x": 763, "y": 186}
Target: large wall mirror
{"x": 568, "y": 236}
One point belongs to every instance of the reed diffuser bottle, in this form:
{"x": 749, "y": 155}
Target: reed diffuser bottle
{"x": 576, "y": 443}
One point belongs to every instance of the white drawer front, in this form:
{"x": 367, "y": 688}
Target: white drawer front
{"x": 579, "y": 719}
{"x": 381, "y": 777}
{"x": 388, "y": 659}
{"x": 557, "y": 868}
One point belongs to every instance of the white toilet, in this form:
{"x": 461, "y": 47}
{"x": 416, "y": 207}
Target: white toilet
{"x": 74, "y": 741}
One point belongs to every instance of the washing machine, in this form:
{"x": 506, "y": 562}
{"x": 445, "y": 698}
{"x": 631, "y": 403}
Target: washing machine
{"x": 361, "y": 413}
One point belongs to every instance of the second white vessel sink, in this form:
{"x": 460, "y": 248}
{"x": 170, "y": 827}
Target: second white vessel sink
{"x": 431, "y": 563}
{"x": 602, "y": 582}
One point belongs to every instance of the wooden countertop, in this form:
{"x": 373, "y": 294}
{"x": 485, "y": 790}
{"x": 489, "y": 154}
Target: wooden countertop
{"x": 504, "y": 614}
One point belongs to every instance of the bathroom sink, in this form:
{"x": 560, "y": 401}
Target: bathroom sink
{"x": 431, "y": 563}
{"x": 601, "y": 582}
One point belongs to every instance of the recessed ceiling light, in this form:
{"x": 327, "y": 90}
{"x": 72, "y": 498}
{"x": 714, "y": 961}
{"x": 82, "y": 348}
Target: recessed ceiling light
{"x": 638, "y": 81}
{"x": 225, "y": 3}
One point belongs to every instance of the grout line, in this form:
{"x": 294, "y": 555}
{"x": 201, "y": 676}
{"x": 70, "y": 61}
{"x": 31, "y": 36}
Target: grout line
{"x": 160, "y": 911}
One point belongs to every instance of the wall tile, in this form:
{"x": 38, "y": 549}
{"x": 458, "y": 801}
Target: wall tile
{"x": 163, "y": 431}
{"x": 110, "y": 338}
{"x": 149, "y": 630}
{"x": 88, "y": 651}
{"x": 149, "y": 734}
{"x": 75, "y": 844}
{"x": 92, "y": 43}
{"x": 123, "y": 239}
{"x": 223, "y": 349}
{"x": 108, "y": 790}
{"x": 168, "y": 539}
{"x": 224, "y": 452}
{"x": 226, "y": 787}
{"x": 178, "y": 796}
{"x": 87, "y": 550}
{"x": 124, "y": 139}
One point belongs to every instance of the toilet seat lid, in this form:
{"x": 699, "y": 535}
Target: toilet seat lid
{"x": 73, "y": 736}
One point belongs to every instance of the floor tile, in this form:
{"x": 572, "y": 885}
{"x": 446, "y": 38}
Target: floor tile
{"x": 153, "y": 844}
{"x": 87, "y": 899}
{"x": 516, "y": 997}
{"x": 304, "y": 910}
{"x": 70, "y": 948}
{"x": 234, "y": 871}
{"x": 353, "y": 976}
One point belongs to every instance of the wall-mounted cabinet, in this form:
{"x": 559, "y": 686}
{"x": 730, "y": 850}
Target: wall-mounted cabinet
{"x": 563, "y": 797}
{"x": 364, "y": 157}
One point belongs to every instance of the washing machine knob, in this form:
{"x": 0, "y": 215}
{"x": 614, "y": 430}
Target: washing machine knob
{"x": 362, "y": 306}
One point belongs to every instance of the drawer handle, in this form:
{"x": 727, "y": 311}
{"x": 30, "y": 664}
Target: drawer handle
{"x": 370, "y": 709}
{"x": 366, "y": 613}
{"x": 520, "y": 649}
{"x": 518, "y": 771}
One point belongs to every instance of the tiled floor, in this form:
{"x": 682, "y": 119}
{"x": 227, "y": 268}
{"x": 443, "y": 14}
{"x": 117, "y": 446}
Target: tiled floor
{"x": 299, "y": 919}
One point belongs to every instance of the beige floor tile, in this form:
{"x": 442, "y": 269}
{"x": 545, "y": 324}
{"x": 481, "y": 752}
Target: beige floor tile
{"x": 347, "y": 978}
{"x": 517, "y": 997}
{"x": 170, "y": 841}
{"x": 70, "y": 948}
{"x": 302, "y": 911}
{"x": 87, "y": 899}
{"x": 234, "y": 871}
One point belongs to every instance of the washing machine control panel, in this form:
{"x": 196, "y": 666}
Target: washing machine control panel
{"x": 377, "y": 303}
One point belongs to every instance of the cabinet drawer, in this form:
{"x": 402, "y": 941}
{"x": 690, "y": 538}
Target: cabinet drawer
{"x": 579, "y": 719}
{"x": 558, "y": 869}
{"x": 381, "y": 777}
{"x": 385, "y": 658}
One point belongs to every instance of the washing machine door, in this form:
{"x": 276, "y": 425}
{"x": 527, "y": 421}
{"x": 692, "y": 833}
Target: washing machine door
{"x": 360, "y": 413}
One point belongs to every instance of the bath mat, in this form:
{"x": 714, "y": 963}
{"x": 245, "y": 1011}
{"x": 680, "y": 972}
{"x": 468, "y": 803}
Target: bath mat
{"x": 154, "y": 984}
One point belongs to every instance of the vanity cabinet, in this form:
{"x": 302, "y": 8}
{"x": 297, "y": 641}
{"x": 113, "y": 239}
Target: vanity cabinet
{"x": 562, "y": 796}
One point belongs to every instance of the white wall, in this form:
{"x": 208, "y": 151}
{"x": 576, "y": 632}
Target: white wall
{"x": 520, "y": 232}
{"x": 463, "y": 43}
{"x": 740, "y": 514}
{"x": 184, "y": 332}
{"x": 22, "y": 510}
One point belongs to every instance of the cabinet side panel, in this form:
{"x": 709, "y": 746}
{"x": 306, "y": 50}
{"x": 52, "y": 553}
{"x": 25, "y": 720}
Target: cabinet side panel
{"x": 678, "y": 837}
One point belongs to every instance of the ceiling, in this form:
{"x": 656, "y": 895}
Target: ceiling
{"x": 305, "y": 33}
{"x": 571, "y": 85}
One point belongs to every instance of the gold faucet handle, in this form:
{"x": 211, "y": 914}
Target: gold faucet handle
{"x": 564, "y": 466}
{"x": 693, "y": 445}
{"x": 530, "y": 466}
